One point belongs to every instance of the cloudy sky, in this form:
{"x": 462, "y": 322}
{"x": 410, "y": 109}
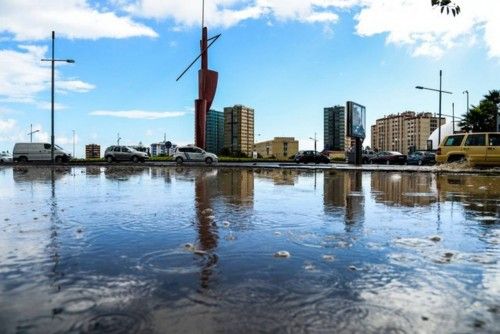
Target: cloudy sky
{"x": 286, "y": 58}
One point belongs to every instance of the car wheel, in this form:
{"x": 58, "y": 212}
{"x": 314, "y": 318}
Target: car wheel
{"x": 387, "y": 162}
{"x": 22, "y": 159}
{"x": 135, "y": 159}
{"x": 59, "y": 160}
{"x": 109, "y": 159}
{"x": 179, "y": 160}
{"x": 209, "y": 161}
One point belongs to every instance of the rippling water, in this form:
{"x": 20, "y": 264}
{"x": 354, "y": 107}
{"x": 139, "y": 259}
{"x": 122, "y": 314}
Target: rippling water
{"x": 157, "y": 250}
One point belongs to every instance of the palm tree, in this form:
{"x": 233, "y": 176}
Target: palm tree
{"x": 482, "y": 118}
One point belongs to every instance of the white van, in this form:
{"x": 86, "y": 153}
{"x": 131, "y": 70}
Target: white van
{"x": 24, "y": 152}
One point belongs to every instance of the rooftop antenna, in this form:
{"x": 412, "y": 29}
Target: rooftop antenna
{"x": 207, "y": 83}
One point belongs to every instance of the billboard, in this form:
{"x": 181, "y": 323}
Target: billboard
{"x": 356, "y": 120}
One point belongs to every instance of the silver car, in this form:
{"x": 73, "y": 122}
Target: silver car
{"x": 5, "y": 157}
{"x": 193, "y": 153}
{"x": 124, "y": 153}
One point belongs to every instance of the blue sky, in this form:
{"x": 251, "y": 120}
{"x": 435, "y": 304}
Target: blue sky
{"x": 286, "y": 59}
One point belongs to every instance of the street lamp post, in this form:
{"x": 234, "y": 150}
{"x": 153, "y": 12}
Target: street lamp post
{"x": 53, "y": 60}
{"x": 73, "y": 144}
{"x": 315, "y": 141}
{"x": 441, "y": 91}
{"x": 32, "y": 132}
{"x": 118, "y": 138}
{"x": 466, "y": 92}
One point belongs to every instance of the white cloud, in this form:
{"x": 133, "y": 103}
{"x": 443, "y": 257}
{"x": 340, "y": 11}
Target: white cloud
{"x": 138, "y": 114}
{"x": 6, "y": 125}
{"x": 23, "y": 75}
{"x": 227, "y": 13}
{"x": 34, "y": 20}
{"x": 427, "y": 32}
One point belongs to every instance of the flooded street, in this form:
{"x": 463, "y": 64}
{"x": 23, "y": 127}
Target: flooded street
{"x": 204, "y": 250}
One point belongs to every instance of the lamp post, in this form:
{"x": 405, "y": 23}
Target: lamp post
{"x": 74, "y": 144}
{"x": 315, "y": 141}
{"x": 453, "y": 117}
{"x": 441, "y": 91}
{"x": 118, "y": 138}
{"x": 53, "y": 60}
{"x": 32, "y": 132}
{"x": 466, "y": 92}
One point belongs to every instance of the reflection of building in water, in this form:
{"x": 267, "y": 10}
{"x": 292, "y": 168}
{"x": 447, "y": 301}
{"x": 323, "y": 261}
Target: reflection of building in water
{"x": 413, "y": 189}
{"x": 92, "y": 170}
{"x": 278, "y": 176}
{"x": 343, "y": 191}
{"x": 479, "y": 193}
{"x": 165, "y": 173}
{"x": 237, "y": 186}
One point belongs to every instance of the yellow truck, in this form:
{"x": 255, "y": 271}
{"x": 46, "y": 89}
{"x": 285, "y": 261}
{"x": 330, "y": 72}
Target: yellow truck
{"x": 481, "y": 148}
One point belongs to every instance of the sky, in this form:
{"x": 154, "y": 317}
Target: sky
{"x": 287, "y": 59}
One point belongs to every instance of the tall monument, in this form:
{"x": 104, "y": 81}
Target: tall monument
{"x": 207, "y": 84}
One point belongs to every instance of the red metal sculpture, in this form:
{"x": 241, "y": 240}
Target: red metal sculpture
{"x": 207, "y": 85}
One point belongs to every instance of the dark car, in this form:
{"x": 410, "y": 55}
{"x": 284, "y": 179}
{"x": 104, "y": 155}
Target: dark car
{"x": 311, "y": 156}
{"x": 367, "y": 155}
{"x": 421, "y": 158}
{"x": 388, "y": 158}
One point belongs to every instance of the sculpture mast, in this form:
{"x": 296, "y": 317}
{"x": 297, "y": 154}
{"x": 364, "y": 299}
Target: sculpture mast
{"x": 207, "y": 84}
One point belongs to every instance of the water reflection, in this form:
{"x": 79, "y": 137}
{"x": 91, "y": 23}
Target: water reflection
{"x": 343, "y": 192}
{"x": 406, "y": 189}
{"x": 106, "y": 252}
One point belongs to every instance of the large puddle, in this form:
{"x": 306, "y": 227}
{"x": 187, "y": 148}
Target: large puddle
{"x": 201, "y": 250}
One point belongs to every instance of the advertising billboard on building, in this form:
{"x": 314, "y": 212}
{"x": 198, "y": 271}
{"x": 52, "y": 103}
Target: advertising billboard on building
{"x": 356, "y": 120}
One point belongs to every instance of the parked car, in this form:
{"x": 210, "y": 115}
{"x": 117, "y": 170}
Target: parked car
{"x": 311, "y": 156}
{"x": 476, "y": 148}
{"x": 5, "y": 157}
{"x": 24, "y": 152}
{"x": 193, "y": 153}
{"x": 421, "y": 158}
{"x": 388, "y": 158}
{"x": 124, "y": 153}
{"x": 366, "y": 155}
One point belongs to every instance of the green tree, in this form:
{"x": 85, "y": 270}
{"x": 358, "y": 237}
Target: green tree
{"x": 483, "y": 117}
{"x": 449, "y": 5}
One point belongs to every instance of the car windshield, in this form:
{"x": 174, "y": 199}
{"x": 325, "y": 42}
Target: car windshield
{"x": 58, "y": 147}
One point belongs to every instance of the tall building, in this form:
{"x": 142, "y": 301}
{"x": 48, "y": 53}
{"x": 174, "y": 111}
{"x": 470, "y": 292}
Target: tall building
{"x": 280, "y": 148}
{"x": 404, "y": 132}
{"x": 215, "y": 131}
{"x": 239, "y": 129}
{"x": 335, "y": 138}
{"x": 92, "y": 151}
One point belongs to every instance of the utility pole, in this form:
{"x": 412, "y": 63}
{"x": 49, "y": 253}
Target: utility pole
{"x": 315, "y": 141}
{"x": 441, "y": 91}
{"x": 453, "y": 117}
{"x": 53, "y": 61}
{"x": 32, "y": 132}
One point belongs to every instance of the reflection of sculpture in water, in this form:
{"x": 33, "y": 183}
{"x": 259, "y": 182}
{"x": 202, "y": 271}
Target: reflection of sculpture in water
{"x": 205, "y": 191}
